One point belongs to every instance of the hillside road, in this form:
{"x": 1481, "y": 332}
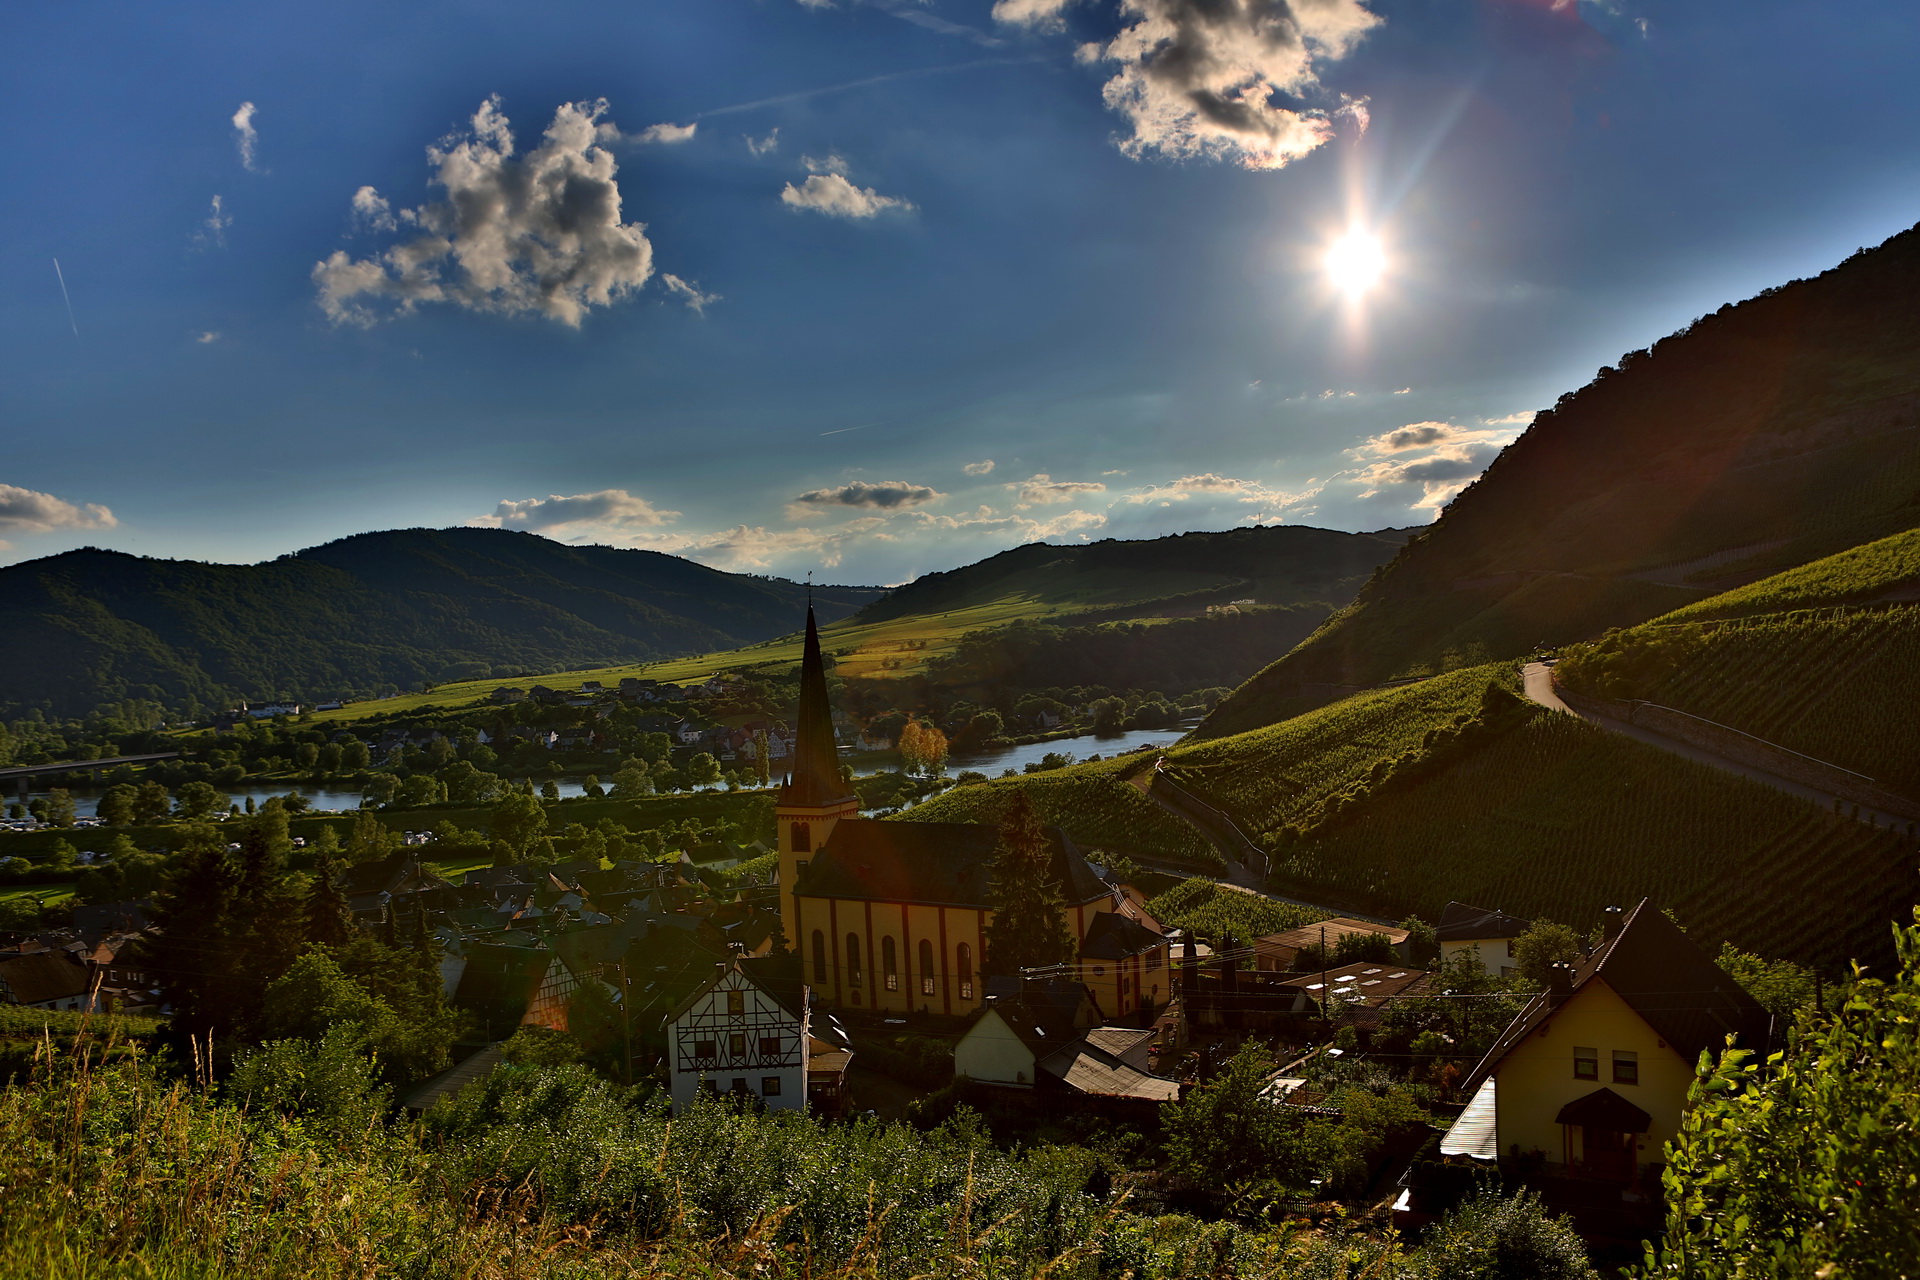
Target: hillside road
{"x": 1538, "y": 680}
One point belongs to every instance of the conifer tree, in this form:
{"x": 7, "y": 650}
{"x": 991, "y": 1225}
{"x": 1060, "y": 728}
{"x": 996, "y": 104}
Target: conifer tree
{"x": 1029, "y": 929}
{"x": 186, "y": 952}
{"x": 329, "y": 917}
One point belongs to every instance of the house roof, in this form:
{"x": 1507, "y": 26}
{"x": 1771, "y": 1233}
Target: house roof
{"x": 1112, "y": 936}
{"x": 500, "y": 982}
{"x": 1086, "y": 1067}
{"x": 1663, "y": 976}
{"x": 1605, "y": 1109}
{"x": 43, "y": 975}
{"x": 1288, "y": 942}
{"x": 1367, "y": 980}
{"x": 938, "y": 863}
{"x": 776, "y": 976}
{"x": 1462, "y": 923}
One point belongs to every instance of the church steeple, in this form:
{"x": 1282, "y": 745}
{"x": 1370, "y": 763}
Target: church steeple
{"x": 815, "y": 775}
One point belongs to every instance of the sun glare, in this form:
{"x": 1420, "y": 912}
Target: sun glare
{"x": 1355, "y": 262}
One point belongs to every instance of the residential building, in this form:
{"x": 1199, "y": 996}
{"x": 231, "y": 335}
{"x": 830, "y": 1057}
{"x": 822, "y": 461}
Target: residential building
{"x": 1592, "y": 1078}
{"x": 1277, "y": 952}
{"x": 746, "y": 1031}
{"x": 1488, "y": 933}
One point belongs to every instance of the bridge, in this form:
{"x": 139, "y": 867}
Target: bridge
{"x": 22, "y": 775}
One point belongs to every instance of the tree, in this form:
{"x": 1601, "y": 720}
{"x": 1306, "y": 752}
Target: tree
{"x": 518, "y": 819}
{"x": 1781, "y": 985}
{"x": 550, "y": 791}
{"x": 1546, "y": 944}
{"x": 354, "y": 756}
{"x": 632, "y": 781}
{"x": 329, "y": 917}
{"x": 1494, "y": 1239}
{"x": 151, "y": 802}
{"x": 306, "y": 756}
{"x": 1109, "y": 714}
{"x": 59, "y": 811}
{"x": 380, "y": 789}
{"x": 1228, "y": 1139}
{"x": 116, "y": 807}
{"x": 186, "y": 952}
{"x": 197, "y": 801}
{"x": 1805, "y": 1165}
{"x": 762, "y": 757}
{"x": 1029, "y": 929}
{"x": 703, "y": 770}
{"x": 923, "y": 748}
{"x": 368, "y": 840}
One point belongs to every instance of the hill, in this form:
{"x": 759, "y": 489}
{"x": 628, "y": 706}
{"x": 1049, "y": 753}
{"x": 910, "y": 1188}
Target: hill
{"x": 391, "y": 609}
{"x": 1769, "y": 434}
{"x": 1165, "y": 577}
{"x": 1823, "y": 660}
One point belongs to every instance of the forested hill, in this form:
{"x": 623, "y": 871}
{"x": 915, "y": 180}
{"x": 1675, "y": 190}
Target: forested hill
{"x": 1274, "y": 564}
{"x": 1763, "y": 436}
{"x": 344, "y": 619}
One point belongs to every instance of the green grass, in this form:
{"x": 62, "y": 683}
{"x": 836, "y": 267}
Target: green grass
{"x": 1850, "y": 577}
{"x": 1214, "y": 911}
{"x": 1091, "y": 803}
{"x": 1562, "y": 819}
{"x": 17, "y": 1023}
{"x": 1838, "y": 686}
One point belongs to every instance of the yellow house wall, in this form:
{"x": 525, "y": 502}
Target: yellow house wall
{"x": 819, "y": 824}
{"x": 1144, "y": 985}
{"x": 990, "y": 1051}
{"x": 1536, "y": 1077}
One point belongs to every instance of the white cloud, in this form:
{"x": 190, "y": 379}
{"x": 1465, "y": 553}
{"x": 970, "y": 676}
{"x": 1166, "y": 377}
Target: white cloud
{"x": 887, "y": 495}
{"x": 1419, "y": 468}
{"x": 214, "y": 230}
{"x": 1521, "y": 419}
{"x": 766, "y": 145}
{"x": 371, "y": 210}
{"x": 245, "y": 137}
{"x": 30, "y": 511}
{"x": 206, "y": 337}
{"x": 687, "y": 292}
{"x": 1220, "y": 79}
{"x": 668, "y": 133}
{"x": 831, "y": 192}
{"x": 980, "y": 468}
{"x": 1043, "y": 490}
{"x": 610, "y": 509}
{"x": 536, "y": 234}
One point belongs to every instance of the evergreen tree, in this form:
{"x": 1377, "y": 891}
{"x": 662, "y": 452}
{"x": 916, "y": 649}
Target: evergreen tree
{"x": 186, "y": 952}
{"x": 1029, "y": 929}
{"x": 329, "y": 918}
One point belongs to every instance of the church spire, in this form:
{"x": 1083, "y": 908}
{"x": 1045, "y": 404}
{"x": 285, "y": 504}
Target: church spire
{"x": 815, "y": 776}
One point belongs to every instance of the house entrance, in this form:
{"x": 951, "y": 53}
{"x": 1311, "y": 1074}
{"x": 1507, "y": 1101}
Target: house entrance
{"x": 1606, "y": 1153}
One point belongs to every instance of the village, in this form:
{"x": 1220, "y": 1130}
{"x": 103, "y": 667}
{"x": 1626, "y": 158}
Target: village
{"x": 855, "y": 969}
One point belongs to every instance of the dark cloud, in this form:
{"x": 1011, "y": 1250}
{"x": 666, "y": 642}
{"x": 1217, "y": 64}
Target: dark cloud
{"x": 887, "y": 495}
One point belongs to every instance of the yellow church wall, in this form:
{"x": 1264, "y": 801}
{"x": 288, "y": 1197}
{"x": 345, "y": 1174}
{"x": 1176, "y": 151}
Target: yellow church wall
{"x": 946, "y": 929}
{"x": 1536, "y": 1077}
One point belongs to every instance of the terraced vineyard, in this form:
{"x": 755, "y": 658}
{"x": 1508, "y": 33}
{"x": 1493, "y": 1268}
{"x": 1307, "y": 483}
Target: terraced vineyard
{"x": 1562, "y": 819}
{"x": 1840, "y": 685}
{"x": 1215, "y": 912}
{"x": 1092, "y": 804}
{"x": 1866, "y": 572}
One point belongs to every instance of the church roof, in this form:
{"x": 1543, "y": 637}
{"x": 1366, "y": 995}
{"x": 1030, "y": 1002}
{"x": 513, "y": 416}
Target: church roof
{"x": 814, "y": 779}
{"x": 1663, "y": 976}
{"x": 937, "y": 863}
{"x": 1112, "y": 936}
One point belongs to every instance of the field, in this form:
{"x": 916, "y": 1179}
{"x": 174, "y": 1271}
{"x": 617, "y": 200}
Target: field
{"x": 1839, "y": 685}
{"x": 1215, "y": 912}
{"x": 895, "y": 648}
{"x": 1562, "y": 819}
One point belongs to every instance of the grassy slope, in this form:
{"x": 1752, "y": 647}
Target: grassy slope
{"x": 1813, "y": 659}
{"x": 897, "y": 636}
{"x": 1765, "y": 436}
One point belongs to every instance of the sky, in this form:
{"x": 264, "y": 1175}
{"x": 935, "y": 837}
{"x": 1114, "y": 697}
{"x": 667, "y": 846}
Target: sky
{"x": 874, "y": 288}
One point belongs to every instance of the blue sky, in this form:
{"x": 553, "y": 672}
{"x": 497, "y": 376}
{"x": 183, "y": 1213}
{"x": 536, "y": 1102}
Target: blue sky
{"x": 902, "y": 240}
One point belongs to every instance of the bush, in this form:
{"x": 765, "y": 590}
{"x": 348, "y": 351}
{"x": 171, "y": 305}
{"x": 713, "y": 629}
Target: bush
{"x": 1494, "y": 1239}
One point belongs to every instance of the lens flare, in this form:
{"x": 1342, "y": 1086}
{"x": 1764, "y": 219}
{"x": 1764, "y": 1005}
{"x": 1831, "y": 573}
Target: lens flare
{"x": 1355, "y": 262}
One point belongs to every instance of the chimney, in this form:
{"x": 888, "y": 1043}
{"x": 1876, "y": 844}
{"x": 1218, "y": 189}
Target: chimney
{"x": 1610, "y": 922}
{"x": 1560, "y": 979}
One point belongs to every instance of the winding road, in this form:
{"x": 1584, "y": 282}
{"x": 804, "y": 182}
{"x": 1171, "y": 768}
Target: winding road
{"x": 1538, "y": 680}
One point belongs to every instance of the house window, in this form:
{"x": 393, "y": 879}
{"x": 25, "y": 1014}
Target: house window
{"x": 1099, "y": 971}
{"x": 1626, "y": 1067}
{"x": 1586, "y": 1063}
{"x": 739, "y": 1085}
{"x": 1153, "y": 959}
{"x": 819, "y": 958}
{"x": 736, "y": 1004}
{"x": 769, "y": 1046}
{"x": 802, "y": 838}
{"x": 890, "y": 963}
{"x": 737, "y": 1045}
{"x": 926, "y": 967}
{"x": 853, "y": 959}
{"x": 769, "y": 1086}
{"x": 966, "y": 971}
{"x": 703, "y": 1049}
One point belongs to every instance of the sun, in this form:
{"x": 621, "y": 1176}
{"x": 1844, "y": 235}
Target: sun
{"x": 1355, "y": 262}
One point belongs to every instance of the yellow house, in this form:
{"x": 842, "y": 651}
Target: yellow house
{"x": 1488, "y": 934}
{"x": 1592, "y": 1077}
{"x": 893, "y": 916}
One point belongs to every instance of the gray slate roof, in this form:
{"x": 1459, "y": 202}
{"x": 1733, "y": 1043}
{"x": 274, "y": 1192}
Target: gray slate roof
{"x": 939, "y": 863}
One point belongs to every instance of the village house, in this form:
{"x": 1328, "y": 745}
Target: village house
{"x": 1278, "y": 952}
{"x": 748, "y": 1031}
{"x": 1592, "y": 1077}
{"x": 1045, "y": 1033}
{"x": 1488, "y": 934}
{"x": 47, "y": 979}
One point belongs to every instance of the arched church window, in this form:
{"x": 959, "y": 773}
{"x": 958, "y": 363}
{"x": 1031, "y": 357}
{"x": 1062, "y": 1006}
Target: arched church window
{"x": 853, "y": 959}
{"x": 819, "y": 958}
{"x": 890, "y": 963}
{"x": 966, "y": 971}
{"x": 926, "y": 967}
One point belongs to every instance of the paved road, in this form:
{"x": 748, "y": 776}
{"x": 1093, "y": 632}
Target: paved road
{"x": 1538, "y": 679}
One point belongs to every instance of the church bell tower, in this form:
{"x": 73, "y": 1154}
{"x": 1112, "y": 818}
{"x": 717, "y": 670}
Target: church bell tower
{"x": 812, "y": 797}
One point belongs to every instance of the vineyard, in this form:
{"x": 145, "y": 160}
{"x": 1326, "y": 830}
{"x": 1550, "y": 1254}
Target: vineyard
{"x": 1839, "y": 685}
{"x": 1853, "y": 576}
{"x": 1091, "y": 804}
{"x": 1561, "y": 819}
{"x": 1270, "y": 777}
{"x": 1215, "y": 912}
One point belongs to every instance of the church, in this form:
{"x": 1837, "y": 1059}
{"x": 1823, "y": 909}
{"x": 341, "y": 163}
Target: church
{"x": 893, "y": 916}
